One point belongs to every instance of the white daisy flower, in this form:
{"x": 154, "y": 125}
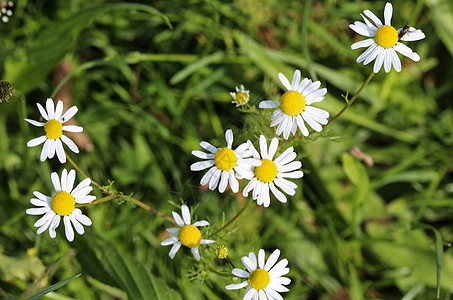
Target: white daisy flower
{"x": 54, "y": 130}
{"x": 62, "y": 204}
{"x": 273, "y": 173}
{"x": 187, "y": 234}
{"x": 294, "y": 106}
{"x": 384, "y": 40}
{"x": 264, "y": 279}
{"x": 225, "y": 164}
{"x": 241, "y": 97}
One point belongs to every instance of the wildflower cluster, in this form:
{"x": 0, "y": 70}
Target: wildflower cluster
{"x": 263, "y": 168}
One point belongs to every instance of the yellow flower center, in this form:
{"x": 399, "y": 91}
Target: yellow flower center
{"x": 225, "y": 159}
{"x": 53, "y": 129}
{"x": 242, "y": 98}
{"x": 267, "y": 172}
{"x": 259, "y": 279}
{"x": 386, "y": 36}
{"x": 221, "y": 252}
{"x": 63, "y": 203}
{"x": 292, "y": 103}
{"x": 189, "y": 236}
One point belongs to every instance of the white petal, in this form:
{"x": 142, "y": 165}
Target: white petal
{"x": 42, "y": 111}
{"x": 201, "y": 165}
{"x": 51, "y": 149}
{"x": 35, "y": 123}
{"x": 201, "y": 223}
{"x": 195, "y": 253}
{"x": 388, "y": 10}
{"x": 395, "y": 60}
{"x": 58, "y": 110}
{"x": 295, "y": 175}
{"x": 170, "y": 241}
{"x": 312, "y": 123}
{"x": 372, "y": 55}
{"x": 41, "y": 196}
{"x": 223, "y": 181}
{"x": 250, "y": 186}
{"x": 379, "y": 61}
{"x": 272, "y": 260}
{"x": 36, "y": 141}
{"x": 234, "y": 183}
{"x": 284, "y": 81}
{"x": 229, "y": 138}
{"x": 387, "y": 61}
{"x": 53, "y": 225}
{"x": 72, "y": 128}
{"x": 271, "y": 293}
{"x": 60, "y": 152}
{"x": 70, "y": 181}
{"x": 286, "y": 188}
{"x": 202, "y": 242}
{"x": 237, "y": 286}
{"x": 185, "y": 214}
{"x": 301, "y": 125}
{"x": 273, "y": 148}
{"x": 280, "y": 265}
{"x": 209, "y": 147}
{"x": 71, "y": 145}
{"x": 69, "y": 232}
{"x": 373, "y": 17}
{"x": 290, "y": 167}
{"x": 413, "y": 35}
{"x": 261, "y": 256}
{"x": 364, "y": 43}
{"x": 240, "y": 273}
{"x": 81, "y": 218}
{"x": 263, "y": 147}
{"x": 362, "y": 29}
{"x": 248, "y": 263}
{"x": 178, "y": 219}
{"x": 214, "y": 180}
{"x": 366, "y": 53}
{"x": 279, "y": 195}
{"x": 269, "y": 104}
{"x": 202, "y": 155}
{"x": 45, "y": 150}
{"x": 50, "y": 108}
{"x": 68, "y": 114}
{"x": 406, "y": 51}
{"x": 37, "y": 211}
{"x": 78, "y": 227}
{"x": 174, "y": 249}
{"x": 207, "y": 177}
{"x": 296, "y": 80}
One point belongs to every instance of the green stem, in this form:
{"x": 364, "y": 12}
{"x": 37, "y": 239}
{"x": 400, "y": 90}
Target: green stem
{"x": 116, "y": 195}
{"x": 98, "y": 201}
{"x": 232, "y": 220}
{"x": 352, "y": 99}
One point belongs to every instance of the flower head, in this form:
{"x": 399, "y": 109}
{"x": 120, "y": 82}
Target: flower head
{"x": 186, "y": 234}
{"x": 384, "y": 40}
{"x": 54, "y": 130}
{"x": 62, "y": 204}
{"x": 241, "y": 97}
{"x": 225, "y": 164}
{"x": 264, "y": 279}
{"x": 294, "y": 107}
{"x": 273, "y": 173}
{"x": 221, "y": 252}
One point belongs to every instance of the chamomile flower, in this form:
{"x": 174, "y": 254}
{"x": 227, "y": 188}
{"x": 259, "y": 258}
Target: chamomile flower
{"x": 225, "y": 164}
{"x": 384, "y": 40}
{"x": 54, "y": 128}
{"x": 273, "y": 173}
{"x": 62, "y": 204}
{"x": 241, "y": 97}
{"x": 264, "y": 279}
{"x": 294, "y": 106}
{"x": 186, "y": 234}
{"x": 6, "y": 10}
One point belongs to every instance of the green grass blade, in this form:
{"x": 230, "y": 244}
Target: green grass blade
{"x": 53, "y": 287}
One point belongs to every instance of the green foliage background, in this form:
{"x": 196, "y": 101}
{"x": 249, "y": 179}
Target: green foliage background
{"x": 152, "y": 80}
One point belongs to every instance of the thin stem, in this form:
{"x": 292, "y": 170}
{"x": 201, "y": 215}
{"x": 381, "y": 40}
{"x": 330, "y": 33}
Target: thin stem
{"x": 229, "y": 261}
{"x": 98, "y": 201}
{"x": 232, "y": 220}
{"x": 352, "y": 99}
{"x": 115, "y": 195}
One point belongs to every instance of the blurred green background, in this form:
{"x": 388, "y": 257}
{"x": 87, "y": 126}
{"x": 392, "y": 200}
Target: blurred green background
{"x": 152, "y": 80}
